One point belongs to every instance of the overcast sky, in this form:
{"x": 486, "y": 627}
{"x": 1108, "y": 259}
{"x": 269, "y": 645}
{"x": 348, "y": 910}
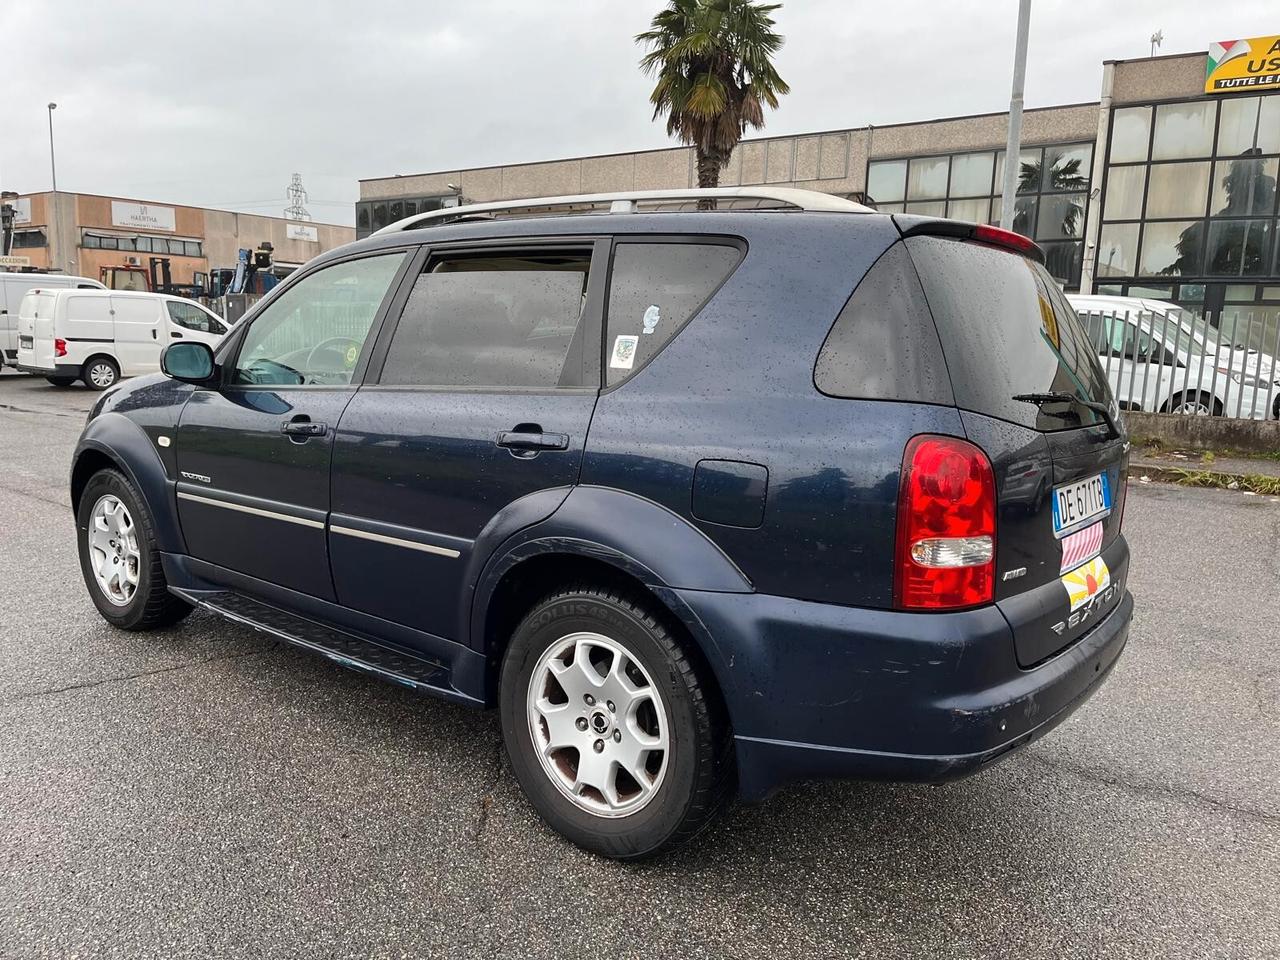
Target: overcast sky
{"x": 218, "y": 104}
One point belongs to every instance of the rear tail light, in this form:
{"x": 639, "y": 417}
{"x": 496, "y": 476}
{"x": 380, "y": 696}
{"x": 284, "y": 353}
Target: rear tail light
{"x": 1009, "y": 240}
{"x": 59, "y": 347}
{"x": 946, "y": 526}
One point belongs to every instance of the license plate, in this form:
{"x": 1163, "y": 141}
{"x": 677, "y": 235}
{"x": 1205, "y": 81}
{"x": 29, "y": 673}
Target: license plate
{"x": 1078, "y": 504}
{"x": 26, "y": 343}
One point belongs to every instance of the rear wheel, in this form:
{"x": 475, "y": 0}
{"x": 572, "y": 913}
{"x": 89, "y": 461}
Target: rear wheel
{"x": 99, "y": 373}
{"x": 618, "y": 741}
{"x": 61, "y": 381}
{"x": 1200, "y": 404}
{"x": 119, "y": 558}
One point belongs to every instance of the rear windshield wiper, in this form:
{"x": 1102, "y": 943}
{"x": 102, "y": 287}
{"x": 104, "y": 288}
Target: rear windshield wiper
{"x": 1099, "y": 408}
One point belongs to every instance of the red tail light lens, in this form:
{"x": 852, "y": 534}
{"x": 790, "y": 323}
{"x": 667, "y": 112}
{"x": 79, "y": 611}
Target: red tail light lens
{"x": 1009, "y": 240}
{"x": 59, "y": 347}
{"x": 946, "y": 526}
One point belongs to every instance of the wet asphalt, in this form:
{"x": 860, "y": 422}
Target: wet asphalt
{"x": 203, "y": 792}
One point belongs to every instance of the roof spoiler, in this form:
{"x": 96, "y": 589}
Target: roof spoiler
{"x": 911, "y": 226}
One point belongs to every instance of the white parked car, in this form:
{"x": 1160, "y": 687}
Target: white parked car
{"x": 99, "y": 336}
{"x": 13, "y": 287}
{"x": 1163, "y": 359}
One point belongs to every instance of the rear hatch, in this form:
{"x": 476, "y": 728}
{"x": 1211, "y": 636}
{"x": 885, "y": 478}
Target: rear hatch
{"x": 35, "y": 329}
{"x": 1024, "y": 376}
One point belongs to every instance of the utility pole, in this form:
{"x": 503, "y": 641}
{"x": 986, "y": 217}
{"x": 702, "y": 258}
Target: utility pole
{"x": 297, "y": 209}
{"x": 53, "y": 171}
{"x": 1013, "y": 149}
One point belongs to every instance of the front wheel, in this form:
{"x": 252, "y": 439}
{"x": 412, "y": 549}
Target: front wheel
{"x": 615, "y": 734}
{"x": 119, "y": 558}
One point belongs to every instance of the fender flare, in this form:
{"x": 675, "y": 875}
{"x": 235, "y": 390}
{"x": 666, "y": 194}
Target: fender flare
{"x": 637, "y": 536}
{"x": 128, "y": 447}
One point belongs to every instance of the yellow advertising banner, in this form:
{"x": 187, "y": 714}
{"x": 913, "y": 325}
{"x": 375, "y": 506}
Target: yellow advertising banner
{"x": 1243, "y": 65}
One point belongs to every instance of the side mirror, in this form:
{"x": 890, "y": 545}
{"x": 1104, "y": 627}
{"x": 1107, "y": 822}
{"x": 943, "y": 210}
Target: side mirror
{"x": 188, "y": 362}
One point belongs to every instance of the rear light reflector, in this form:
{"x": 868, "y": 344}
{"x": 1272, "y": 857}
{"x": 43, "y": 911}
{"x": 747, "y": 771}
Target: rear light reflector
{"x": 59, "y": 347}
{"x": 946, "y": 526}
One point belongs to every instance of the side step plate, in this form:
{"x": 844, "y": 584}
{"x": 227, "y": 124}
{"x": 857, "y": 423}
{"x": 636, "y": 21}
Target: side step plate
{"x": 347, "y": 649}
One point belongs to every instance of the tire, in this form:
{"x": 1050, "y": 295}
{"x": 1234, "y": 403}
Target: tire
{"x": 100, "y": 373}
{"x": 148, "y": 604}
{"x": 688, "y": 780}
{"x": 61, "y": 381}
{"x": 1203, "y": 399}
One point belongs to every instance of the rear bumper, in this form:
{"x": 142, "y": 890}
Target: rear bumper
{"x": 815, "y": 690}
{"x": 57, "y": 370}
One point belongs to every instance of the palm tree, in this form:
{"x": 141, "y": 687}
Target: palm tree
{"x": 715, "y": 75}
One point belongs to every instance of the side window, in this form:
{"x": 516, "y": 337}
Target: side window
{"x": 492, "y": 321}
{"x": 884, "y": 345}
{"x": 654, "y": 290}
{"x": 191, "y": 317}
{"x": 1137, "y": 343}
{"x": 315, "y": 331}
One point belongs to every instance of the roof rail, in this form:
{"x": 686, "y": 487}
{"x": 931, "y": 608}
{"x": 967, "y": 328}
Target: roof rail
{"x": 630, "y": 202}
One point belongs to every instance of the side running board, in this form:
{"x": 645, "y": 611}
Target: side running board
{"x": 347, "y": 649}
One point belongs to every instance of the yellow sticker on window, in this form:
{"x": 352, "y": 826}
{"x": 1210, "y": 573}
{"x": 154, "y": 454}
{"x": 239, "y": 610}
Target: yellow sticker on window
{"x": 1086, "y": 581}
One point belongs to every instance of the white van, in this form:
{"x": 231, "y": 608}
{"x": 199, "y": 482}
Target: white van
{"x": 13, "y": 287}
{"x": 99, "y": 336}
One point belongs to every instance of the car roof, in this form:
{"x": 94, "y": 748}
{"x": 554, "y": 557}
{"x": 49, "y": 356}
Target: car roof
{"x": 747, "y": 225}
{"x": 1132, "y": 303}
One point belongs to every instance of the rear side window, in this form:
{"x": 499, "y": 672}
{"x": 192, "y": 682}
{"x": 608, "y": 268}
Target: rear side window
{"x": 884, "y": 345}
{"x": 1007, "y": 330}
{"x": 492, "y": 321}
{"x": 654, "y": 290}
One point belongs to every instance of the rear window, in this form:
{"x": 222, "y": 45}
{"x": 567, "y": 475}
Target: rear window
{"x": 654, "y": 290}
{"x": 1006, "y": 329}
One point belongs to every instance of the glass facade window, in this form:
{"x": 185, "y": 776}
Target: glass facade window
{"x": 1249, "y": 123}
{"x": 1170, "y": 249}
{"x": 1177, "y": 190}
{"x": 975, "y": 211}
{"x": 373, "y": 215}
{"x": 1130, "y": 134}
{"x": 1053, "y": 187}
{"x": 1183, "y": 130}
{"x": 1198, "y": 199}
{"x": 1238, "y": 248}
{"x": 1244, "y": 187}
{"x": 887, "y": 182}
{"x": 1126, "y": 187}
{"x": 927, "y": 178}
{"x": 971, "y": 177}
{"x": 1118, "y": 250}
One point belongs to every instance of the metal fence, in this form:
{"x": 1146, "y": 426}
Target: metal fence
{"x": 1222, "y": 365}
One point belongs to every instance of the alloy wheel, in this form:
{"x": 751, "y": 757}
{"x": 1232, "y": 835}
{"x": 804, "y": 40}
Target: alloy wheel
{"x": 113, "y": 550}
{"x": 599, "y": 725}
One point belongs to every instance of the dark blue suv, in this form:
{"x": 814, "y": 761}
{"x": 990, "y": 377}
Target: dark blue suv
{"x": 702, "y": 500}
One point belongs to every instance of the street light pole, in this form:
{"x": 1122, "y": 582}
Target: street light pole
{"x": 53, "y": 170}
{"x": 1013, "y": 148}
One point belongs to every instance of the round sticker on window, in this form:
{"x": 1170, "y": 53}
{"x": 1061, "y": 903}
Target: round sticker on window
{"x": 353, "y": 354}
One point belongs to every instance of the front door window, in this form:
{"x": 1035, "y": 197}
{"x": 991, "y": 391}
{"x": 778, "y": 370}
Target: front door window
{"x": 316, "y": 331}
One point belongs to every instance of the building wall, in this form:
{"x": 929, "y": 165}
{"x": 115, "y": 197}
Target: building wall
{"x": 222, "y": 233}
{"x": 832, "y": 161}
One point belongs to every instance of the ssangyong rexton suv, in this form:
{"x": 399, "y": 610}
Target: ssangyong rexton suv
{"x": 701, "y": 500}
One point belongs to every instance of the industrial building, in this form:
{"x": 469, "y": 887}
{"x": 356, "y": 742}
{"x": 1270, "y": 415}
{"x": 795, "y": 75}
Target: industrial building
{"x": 1163, "y": 187}
{"x": 83, "y": 233}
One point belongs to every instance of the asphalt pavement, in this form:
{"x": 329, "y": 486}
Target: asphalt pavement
{"x": 202, "y": 792}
